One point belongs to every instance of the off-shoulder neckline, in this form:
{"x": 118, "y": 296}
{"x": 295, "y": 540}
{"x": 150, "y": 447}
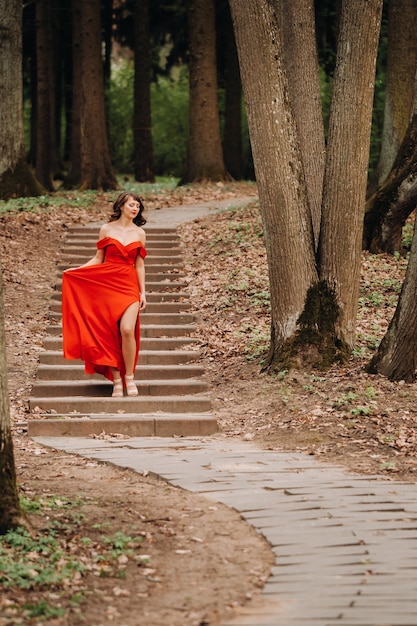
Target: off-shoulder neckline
{"x": 122, "y": 244}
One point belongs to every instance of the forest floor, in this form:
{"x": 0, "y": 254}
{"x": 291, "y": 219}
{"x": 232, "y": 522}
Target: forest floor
{"x": 128, "y": 549}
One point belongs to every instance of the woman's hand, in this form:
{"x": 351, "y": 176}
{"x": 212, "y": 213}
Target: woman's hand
{"x": 142, "y": 302}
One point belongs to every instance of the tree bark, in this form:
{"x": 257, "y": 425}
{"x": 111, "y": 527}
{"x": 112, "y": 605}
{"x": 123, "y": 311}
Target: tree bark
{"x": 401, "y": 70}
{"x": 302, "y": 69}
{"x": 345, "y": 178}
{"x": 10, "y": 514}
{"x": 142, "y": 119}
{"x": 396, "y": 357}
{"x": 16, "y": 178}
{"x": 96, "y": 167}
{"x": 232, "y": 140}
{"x": 205, "y": 157}
{"x": 389, "y": 207}
{"x": 44, "y": 135}
{"x": 278, "y": 167}
{"x": 73, "y": 178}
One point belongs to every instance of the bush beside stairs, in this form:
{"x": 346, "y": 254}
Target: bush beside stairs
{"x": 173, "y": 396}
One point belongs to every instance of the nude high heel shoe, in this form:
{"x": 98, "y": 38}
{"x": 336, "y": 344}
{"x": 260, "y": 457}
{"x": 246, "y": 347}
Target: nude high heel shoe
{"x": 131, "y": 388}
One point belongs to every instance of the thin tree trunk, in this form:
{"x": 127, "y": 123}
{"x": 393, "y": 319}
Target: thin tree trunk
{"x": 388, "y": 209}
{"x": 73, "y": 178}
{"x": 44, "y": 138}
{"x": 232, "y": 141}
{"x": 401, "y": 70}
{"x": 205, "y": 157}
{"x": 142, "y": 121}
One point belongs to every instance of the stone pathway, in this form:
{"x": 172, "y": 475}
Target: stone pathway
{"x": 345, "y": 545}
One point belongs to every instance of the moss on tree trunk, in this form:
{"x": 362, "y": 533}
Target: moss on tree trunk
{"x": 316, "y": 344}
{"x": 19, "y": 182}
{"x": 10, "y": 515}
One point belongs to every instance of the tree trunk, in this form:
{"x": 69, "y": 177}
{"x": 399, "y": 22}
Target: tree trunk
{"x": 10, "y": 515}
{"x": 96, "y": 167}
{"x": 302, "y": 68}
{"x": 205, "y": 157}
{"x": 142, "y": 122}
{"x": 232, "y": 141}
{"x": 73, "y": 178}
{"x": 388, "y": 209}
{"x": 279, "y": 173}
{"x": 396, "y": 357}
{"x": 401, "y": 70}
{"x": 16, "y": 179}
{"x": 345, "y": 178}
{"x": 44, "y": 135}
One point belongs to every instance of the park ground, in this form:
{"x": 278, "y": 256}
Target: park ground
{"x": 132, "y": 550}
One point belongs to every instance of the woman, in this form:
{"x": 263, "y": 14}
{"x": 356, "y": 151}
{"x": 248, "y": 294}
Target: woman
{"x": 101, "y": 300}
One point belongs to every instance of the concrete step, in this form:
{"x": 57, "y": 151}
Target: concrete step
{"x": 146, "y": 318}
{"x": 147, "y": 343}
{"x": 166, "y": 284}
{"x": 152, "y": 308}
{"x": 136, "y": 425}
{"x": 91, "y": 242}
{"x": 159, "y": 357}
{"x": 140, "y": 404}
{"x": 143, "y": 372}
{"x": 158, "y": 297}
{"x": 103, "y": 388}
{"x": 146, "y": 330}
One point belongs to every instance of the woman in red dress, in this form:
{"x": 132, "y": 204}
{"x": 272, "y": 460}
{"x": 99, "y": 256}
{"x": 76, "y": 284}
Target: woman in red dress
{"x": 101, "y": 300}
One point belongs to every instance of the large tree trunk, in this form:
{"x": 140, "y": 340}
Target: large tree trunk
{"x": 142, "y": 122}
{"x": 205, "y": 157}
{"x": 396, "y": 357}
{"x": 279, "y": 173}
{"x": 10, "y": 515}
{"x": 346, "y": 169}
{"x": 16, "y": 179}
{"x": 401, "y": 70}
{"x": 96, "y": 167}
{"x": 302, "y": 69}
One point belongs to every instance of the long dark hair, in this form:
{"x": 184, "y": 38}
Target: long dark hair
{"x": 120, "y": 201}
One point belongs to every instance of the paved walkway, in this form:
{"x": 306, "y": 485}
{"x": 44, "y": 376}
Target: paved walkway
{"x": 345, "y": 545}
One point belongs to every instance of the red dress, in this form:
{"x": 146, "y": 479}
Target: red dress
{"x": 94, "y": 299}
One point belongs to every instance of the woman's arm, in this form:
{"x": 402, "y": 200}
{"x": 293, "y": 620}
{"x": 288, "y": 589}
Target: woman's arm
{"x": 98, "y": 258}
{"x": 140, "y": 270}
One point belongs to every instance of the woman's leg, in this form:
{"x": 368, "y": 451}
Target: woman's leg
{"x": 127, "y": 331}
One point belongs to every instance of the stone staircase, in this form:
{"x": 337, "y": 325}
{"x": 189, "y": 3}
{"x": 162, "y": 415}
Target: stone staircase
{"x": 173, "y": 396}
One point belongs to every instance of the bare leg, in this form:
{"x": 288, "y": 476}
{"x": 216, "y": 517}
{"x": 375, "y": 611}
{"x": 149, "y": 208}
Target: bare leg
{"x": 127, "y": 331}
{"x": 117, "y": 384}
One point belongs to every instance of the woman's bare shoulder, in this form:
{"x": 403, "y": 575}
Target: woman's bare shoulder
{"x": 105, "y": 231}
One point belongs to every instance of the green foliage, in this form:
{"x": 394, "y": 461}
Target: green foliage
{"x": 56, "y": 553}
{"x": 119, "y": 99}
{"x": 32, "y": 204}
{"x": 169, "y": 104}
{"x": 170, "y": 124}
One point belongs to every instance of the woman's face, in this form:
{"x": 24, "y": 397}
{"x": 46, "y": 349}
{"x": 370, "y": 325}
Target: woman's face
{"x": 130, "y": 208}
